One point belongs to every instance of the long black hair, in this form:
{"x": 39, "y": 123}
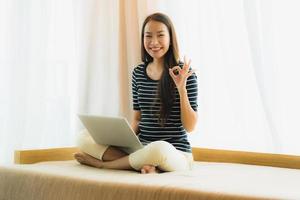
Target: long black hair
{"x": 166, "y": 86}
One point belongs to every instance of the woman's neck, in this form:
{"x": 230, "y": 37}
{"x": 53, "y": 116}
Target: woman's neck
{"x": 158, "y": 63}
{"x": 155, "y": 69}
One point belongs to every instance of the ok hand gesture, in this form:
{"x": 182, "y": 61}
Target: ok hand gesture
{"x": 180, "y": 75}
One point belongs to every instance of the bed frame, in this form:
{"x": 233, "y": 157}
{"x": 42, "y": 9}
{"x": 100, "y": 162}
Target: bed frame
{"x": 200, "y": 154}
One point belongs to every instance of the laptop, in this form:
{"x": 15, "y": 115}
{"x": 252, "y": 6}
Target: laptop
{"x": 113, "y": 131}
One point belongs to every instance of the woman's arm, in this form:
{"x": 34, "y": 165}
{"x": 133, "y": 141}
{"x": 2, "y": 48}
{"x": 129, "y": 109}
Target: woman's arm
{"x": 135, "y": 121}
{"x": 180, "y": 76}
{"x": 188, "y": 115}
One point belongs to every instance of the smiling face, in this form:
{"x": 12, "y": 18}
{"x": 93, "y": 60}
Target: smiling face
{"x": 156, "y": 39}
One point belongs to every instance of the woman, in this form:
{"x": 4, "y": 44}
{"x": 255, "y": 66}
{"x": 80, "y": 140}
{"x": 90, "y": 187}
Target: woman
{"x": 164, "y": 103}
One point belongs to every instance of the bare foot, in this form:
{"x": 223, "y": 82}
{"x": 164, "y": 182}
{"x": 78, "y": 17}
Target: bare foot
{"x": 148, "y": 169}
{"x": 86, "y": 159}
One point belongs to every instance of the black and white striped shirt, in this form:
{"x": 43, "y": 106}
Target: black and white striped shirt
{"x": 145, "y": 100}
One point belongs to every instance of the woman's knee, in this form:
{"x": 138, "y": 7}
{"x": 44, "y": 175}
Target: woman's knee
{"x": 160, "y": 149}
{"x": 87, "y": 144}
{"x": 84, "y": 139}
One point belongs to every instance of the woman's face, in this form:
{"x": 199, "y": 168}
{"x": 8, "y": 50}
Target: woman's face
{"x": 156, "y": 39}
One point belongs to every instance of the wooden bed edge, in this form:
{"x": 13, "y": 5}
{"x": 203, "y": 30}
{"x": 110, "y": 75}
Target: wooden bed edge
{"x": 244, "y": 157}
{"x": 200, "y": 154}
{"x": 42, "y": 155}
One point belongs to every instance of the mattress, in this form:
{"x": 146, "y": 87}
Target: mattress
{"x": 70, "y": 180}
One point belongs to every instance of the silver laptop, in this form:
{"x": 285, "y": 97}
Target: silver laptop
{"x": 114, "y": 131}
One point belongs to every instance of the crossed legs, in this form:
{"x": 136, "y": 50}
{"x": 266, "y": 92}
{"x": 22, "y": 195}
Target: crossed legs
{"x": 100, "y": 156}
{"x": 113, "y": 158}
{"x": 158, "y": 155}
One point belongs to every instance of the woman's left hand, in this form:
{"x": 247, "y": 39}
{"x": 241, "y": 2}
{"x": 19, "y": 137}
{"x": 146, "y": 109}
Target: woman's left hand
{"x": 180, "y": 75}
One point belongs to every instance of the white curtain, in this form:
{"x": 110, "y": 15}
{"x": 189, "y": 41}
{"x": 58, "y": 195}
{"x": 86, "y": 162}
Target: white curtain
{"x": 60, "y": 58}
{"x": 38, "y": 75}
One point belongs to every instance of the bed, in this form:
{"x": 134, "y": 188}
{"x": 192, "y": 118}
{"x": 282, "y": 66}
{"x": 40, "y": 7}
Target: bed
{"x": 217, "y": 174}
